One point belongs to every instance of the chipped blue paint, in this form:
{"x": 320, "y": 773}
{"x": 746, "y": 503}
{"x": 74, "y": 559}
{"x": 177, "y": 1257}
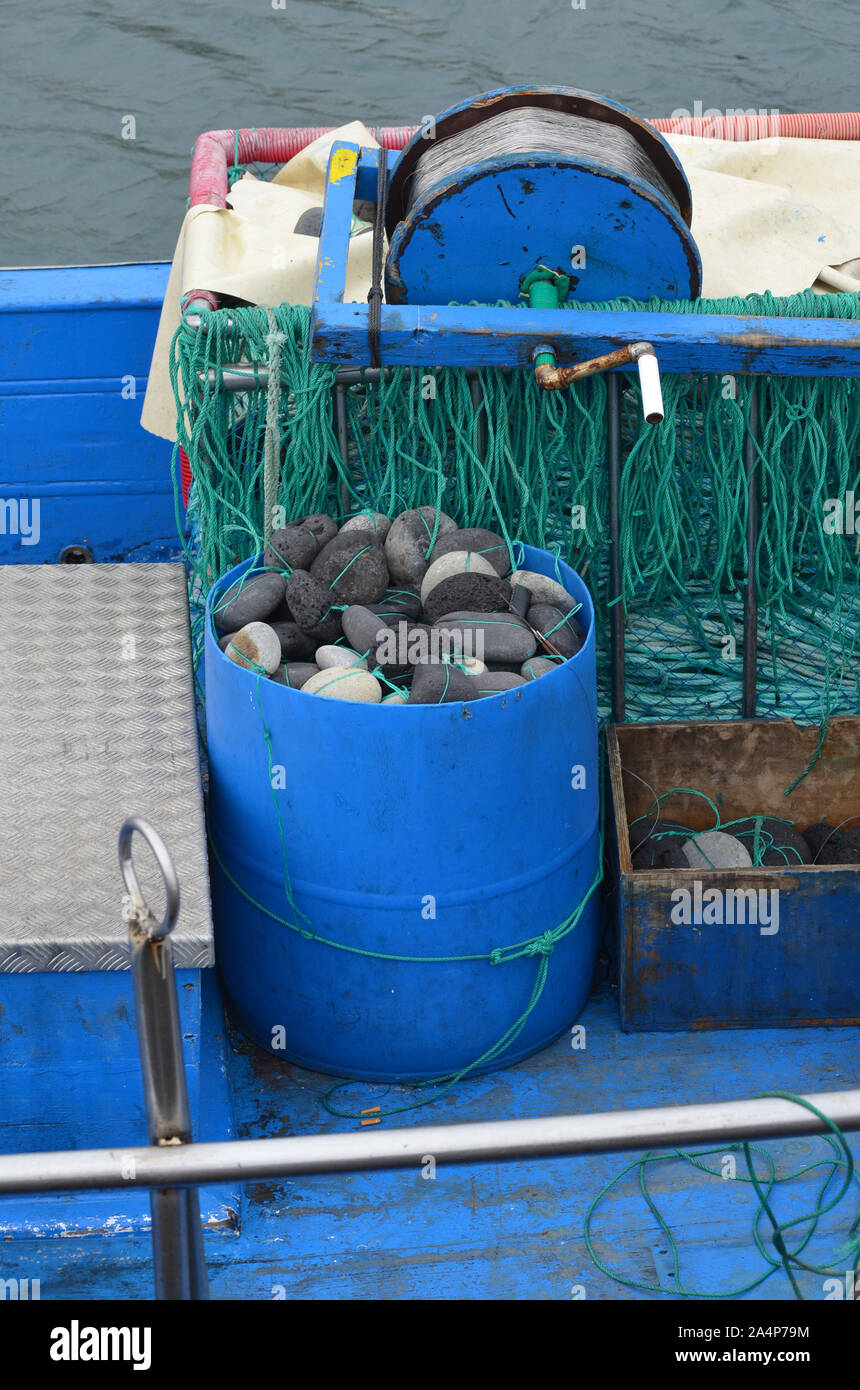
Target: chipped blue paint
{"x": 70, "y": 1079}
{"x": 492, "y": 1231}
{"x": 480, "y": 336}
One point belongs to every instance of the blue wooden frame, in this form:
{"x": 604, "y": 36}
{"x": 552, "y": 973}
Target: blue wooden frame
{"x": 442, "y": 336}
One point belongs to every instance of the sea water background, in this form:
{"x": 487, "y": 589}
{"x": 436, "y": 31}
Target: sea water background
{"x": 76, "y": 192}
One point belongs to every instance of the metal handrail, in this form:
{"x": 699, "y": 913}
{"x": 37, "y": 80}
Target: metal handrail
{"x": 177, "y": 1235}
{"x": 173, "y": 1166}
{"x": 253, "y": 1160}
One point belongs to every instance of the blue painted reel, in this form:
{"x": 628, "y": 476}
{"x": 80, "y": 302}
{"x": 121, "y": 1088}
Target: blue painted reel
{"x": 612, "y": 210}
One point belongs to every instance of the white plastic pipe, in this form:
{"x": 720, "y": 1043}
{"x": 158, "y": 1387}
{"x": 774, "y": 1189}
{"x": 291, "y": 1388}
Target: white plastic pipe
{"x": 652, "y": 395}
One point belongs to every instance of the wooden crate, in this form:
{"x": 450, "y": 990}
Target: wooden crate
{"x": 710, "y": 974}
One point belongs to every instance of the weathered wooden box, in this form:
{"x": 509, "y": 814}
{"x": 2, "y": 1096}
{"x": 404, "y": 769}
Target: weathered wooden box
{"x": 800, "y": 967}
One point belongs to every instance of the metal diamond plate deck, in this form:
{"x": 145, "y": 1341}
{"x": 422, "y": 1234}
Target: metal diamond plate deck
{"x": 96, "y": 723}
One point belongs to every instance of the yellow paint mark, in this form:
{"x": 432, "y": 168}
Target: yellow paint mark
{"x": 343, "y": 164}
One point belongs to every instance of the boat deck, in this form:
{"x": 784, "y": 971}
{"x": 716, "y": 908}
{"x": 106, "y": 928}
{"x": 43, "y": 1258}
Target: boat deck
{"x": 511, "y": 1230}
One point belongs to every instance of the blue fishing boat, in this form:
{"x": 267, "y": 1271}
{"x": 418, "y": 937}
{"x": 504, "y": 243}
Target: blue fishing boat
{"x": 446, "y": 1039}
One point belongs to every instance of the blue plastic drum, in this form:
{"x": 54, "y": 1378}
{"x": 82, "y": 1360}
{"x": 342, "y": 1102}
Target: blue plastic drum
{"x": 420, "y": 842}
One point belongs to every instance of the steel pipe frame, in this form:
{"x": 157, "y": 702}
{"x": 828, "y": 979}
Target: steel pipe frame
{"x": 251, "y": 1160}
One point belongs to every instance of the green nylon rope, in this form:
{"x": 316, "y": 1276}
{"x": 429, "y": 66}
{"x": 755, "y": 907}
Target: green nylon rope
{"x": 786, "y": 1259}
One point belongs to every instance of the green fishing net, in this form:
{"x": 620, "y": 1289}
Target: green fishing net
{"x": 494, "y": 450}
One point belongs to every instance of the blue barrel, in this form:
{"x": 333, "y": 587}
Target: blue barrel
{"x": 443, "y": 831}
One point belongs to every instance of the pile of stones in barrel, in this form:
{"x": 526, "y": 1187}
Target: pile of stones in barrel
{"x": 373, "y": 612}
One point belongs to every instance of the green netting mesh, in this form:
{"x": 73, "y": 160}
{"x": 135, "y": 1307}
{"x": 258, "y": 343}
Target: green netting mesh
{"x": 495, "y": 450}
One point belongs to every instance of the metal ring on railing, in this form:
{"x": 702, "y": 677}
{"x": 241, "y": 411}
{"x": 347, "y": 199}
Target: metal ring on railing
{"x": 168, "y": 873}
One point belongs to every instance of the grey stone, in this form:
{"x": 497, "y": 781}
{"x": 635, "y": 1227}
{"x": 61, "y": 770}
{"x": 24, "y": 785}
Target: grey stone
{"x": 544, "y": 589}
{"x": 309, "y": 223}
{"x": 295, "y": 673}
{"x": 714, "y": 849}
{"x": 474, "y": 593}
{"x": 538, "y": 666}
{"x": 327, "y": 657}
{"x": 565, "y": 634}
{"x": 453, "y": 563}
{"x": 307, "y": 599}
{"x": 441, "y": 685}
{"x": 487, "y": 544}
{"x": 490, "y": 637}
{"x": 491, "y": 682}
{"x": 407, "y": 542}
{"x": 344, "y": 683}
{"x": 364, "y": 630}
{"x": 353, "y": 568}
{"x": 251, "y": 599}
{"x": 224, "y": 642}
{"x": 255, "y": 645}
{"x": 406, "y": 646}
{"x": 375, "y": 522}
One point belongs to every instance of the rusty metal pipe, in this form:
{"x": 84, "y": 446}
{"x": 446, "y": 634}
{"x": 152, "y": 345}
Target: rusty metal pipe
{"x": 554, "y": 378}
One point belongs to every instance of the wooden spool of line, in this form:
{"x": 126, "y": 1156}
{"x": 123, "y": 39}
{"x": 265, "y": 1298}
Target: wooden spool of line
{"x": 538, "y": 176}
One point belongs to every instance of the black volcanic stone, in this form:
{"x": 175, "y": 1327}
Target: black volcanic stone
{"x": 398, "y": 603}
{"x": 815, "y": 836}
{"x": 565, "y": 634}
{"x": 353, "y": 568}
{"x": 521, "y": 600}
{"x": 475, "y": 538}
{"x": 794, "y": 848}
{"x": 649, "y": 829}
{"x": 250, "y": 600}
{"x": 660, "y": 854}
{"x": 830, "y": 845}
{"x": 293, "y": 546}
{"x": 477, "y": 593}
{"x": 327, "y": 632}
{"x": 307, "y": 599}
{"x": 294, "y": 642}
{"x": 319, "y": 524}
